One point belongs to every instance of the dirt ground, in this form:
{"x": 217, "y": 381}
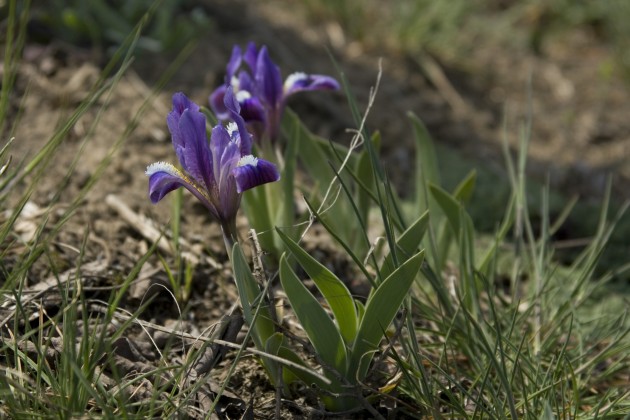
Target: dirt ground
{"x": 580, "y": 133}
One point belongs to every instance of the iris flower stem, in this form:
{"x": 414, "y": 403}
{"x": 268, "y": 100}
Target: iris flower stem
{"x": 229, "y": 236}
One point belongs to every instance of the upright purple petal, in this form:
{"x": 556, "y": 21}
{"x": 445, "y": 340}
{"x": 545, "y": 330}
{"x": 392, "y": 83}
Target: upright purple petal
{"x": 188, "y": 130}
{"x": 268, "y": 79}
{"x": 233, "y": 106}
{"x": 196, "y": 158}
{"x": 251, "y": 172}
{"x": 228, "y": 195}
{"x": 219, "y": 139}
{"x": 244, "y": 82}
{"x": 235, "y": 62}
{"x": 251, "y": 55}
{"x": 298, "y": 82}
{"x": 180, "y": 104}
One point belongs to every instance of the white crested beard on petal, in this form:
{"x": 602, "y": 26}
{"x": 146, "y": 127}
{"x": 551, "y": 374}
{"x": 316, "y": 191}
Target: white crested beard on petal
{"x": 231, "y": 129}
{"x": 248, "y": 160}
{"x": 163, "y": 167}
{"x": 242, "y": 95}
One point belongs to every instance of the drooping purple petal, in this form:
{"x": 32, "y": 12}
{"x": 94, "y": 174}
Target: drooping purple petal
{"x": 251, "y": 108}
{"x": 268, "y": 79}
{"x": 164, "y": 178}
{"x": 298, "y": 82}
{"x": 217, "y": 103}
{"x": 160, "y": 184}
{"x": 251, "y": 172}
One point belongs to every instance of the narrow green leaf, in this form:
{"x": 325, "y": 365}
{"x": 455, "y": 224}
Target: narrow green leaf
{"x": 464, "y": 190}
{"x": 251, "y": 296}
{"x": 288, "y": 175}
{"x": 502, "y": 232}
{"x": 407, "y": 243}
{"x": 564, "y": 214}
{"x": 275, "y": 345}
{"x": 292, "y": 123}
{"x": 319, "y": 327}
{"x": 547, "y": 413}
{"x": 365, "y": 173}
{"x": 449, "y": 205}
{"x": 380, "y": 310}
{"x": 334, "y": 291}
{"x": 426, "y": 173}
{"x": 426, "y": 161}
{"x": 261, "y": 205}
{"x": 5, "y": 148}
{"x": 360, "y": 310}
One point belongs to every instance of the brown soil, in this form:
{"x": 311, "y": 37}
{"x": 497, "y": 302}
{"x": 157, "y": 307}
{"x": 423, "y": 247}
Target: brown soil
{"x": 580, "y": 132}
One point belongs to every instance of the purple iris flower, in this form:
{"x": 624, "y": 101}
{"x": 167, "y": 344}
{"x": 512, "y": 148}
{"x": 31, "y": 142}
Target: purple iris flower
{"x": 216, "y": 173}
{"x": 258, "y": 86}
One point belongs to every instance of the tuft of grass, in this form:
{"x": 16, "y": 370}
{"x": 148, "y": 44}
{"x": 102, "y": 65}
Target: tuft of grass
{"x": 57, "y": 342}
{"x": 514, "y": 334}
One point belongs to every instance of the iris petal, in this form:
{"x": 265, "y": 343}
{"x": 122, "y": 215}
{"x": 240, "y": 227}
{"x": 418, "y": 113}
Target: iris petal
{"x": 235, "y": 62}
{"x": 268, "y": 79}
{"x": 233, "y": 106}
{"x": 228, "y": 194}
{"x": 164, "y": 178}
{"x": 251, "y": 172}
{"x": 195, "y": 157}
{"x": 217, "y": 104}
{"x": 188, "y": 130}
{"x": 180, "y": 104}
{"x": 298, "y": 82}
{"x": 252, "y": 109}
{"x": 251, "y": 55}
{"x": 245, "y": 82}
{"x": 219, "y": 139}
